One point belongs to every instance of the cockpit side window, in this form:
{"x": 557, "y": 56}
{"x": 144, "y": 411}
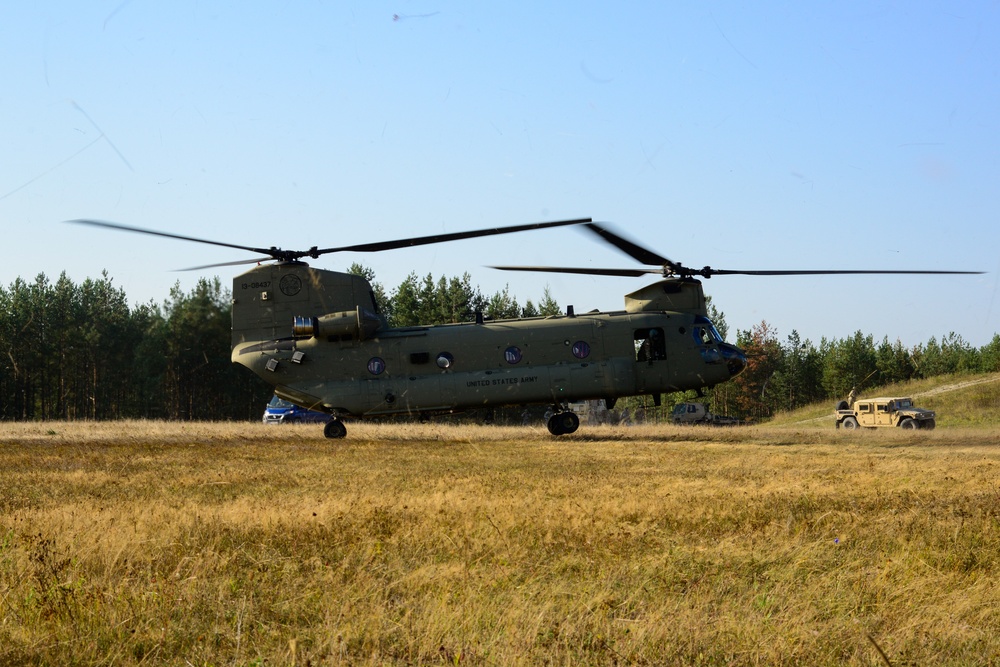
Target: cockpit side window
{"x": 650, "y": 345}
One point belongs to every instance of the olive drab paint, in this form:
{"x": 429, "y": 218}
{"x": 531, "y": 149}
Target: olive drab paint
{"x": 318, "y": 338}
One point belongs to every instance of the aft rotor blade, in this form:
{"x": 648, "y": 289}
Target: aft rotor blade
{"x": 626, "y": 273}
{"x": 153, "y": 232}
{"x": 443, "y": 238}
{"x": 630, "y": 248}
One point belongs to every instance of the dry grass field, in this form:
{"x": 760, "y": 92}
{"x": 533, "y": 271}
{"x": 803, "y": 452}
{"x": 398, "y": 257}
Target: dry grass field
{"x": 148, "y": 543}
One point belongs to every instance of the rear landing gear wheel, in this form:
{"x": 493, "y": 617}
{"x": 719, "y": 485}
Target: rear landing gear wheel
{"x": 850, "y": 423}
{"x": 335, "y": 429}
{"x": 562, "y": 423}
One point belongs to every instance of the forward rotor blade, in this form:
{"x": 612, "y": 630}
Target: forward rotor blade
{"x": 832, "y": 272}
{"x": 650, "y": 258}
{"x": 454, "y": 236}
{"x": 626, "y": 273}
{"x": 633, "y": 250}
{"x": 708, "y": 272}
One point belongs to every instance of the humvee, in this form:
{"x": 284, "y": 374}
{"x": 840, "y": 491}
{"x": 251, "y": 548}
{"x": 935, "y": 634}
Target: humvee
{"x": 878, "y": 412}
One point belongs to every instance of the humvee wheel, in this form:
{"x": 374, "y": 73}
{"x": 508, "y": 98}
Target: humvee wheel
{"x": 562, "y": 423}
{"x": 908, "y": 423}
{"x": 843, "y": 405}
{"x": 929, "y": 424}
{"x": 335, "y": 429}
{"x": 850, "y": 423}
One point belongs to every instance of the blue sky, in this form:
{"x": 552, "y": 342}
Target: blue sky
{"x": 824, "y": 135}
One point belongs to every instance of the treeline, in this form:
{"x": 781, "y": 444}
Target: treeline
{"x": 79, "y": 351}
{"x": 445, "y": 300}
{"x": 787, "y": 374}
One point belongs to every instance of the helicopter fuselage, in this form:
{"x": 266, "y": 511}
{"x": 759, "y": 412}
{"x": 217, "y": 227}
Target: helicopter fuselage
{"x": 317, "y": 337}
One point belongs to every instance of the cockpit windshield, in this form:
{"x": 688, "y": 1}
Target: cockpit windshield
{"x": 705, "y": 332}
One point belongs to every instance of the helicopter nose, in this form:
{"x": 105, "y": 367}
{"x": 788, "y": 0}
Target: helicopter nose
{"x": 736, "y": 360}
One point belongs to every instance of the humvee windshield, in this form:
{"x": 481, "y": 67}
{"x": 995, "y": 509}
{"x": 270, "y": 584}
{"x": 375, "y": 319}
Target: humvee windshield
{"x": 902, "y": 404}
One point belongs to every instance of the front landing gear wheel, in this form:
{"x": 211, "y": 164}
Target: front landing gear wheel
{"x": 335, "y": 429}
{"x": 562, "y": 423}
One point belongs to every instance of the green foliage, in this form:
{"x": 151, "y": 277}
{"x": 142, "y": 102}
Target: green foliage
{"x": 848, "y": 363}
{"x": 70, "y": 351}
{"x": 199, "y": 378}
{"x": 893, "y": 362}
{"x": 989, "y": 355}
{"x": 67, "y": 349}
{"x": 548, "y": 306}
{"x": 951, "y": 355}
{"x": 797, "y": 379}
{"x": 425, "y": 301}
{"x": 783, "y": 378}
{"x": 80, "y": 352}
{"x": 502, "y": 306}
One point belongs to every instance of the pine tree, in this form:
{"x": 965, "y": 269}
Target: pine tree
{"x": 548, "y": 306}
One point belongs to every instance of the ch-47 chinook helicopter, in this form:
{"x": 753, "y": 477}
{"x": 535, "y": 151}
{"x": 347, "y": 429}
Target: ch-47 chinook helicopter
{"x": 318, "y": 337}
